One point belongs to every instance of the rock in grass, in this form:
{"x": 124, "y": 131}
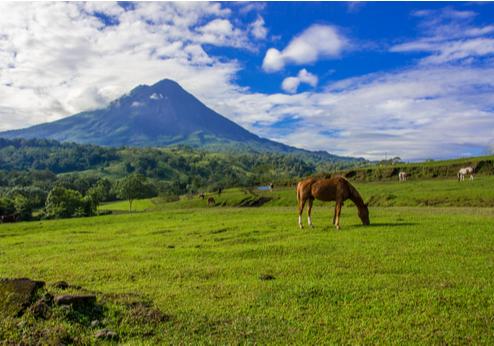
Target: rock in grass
{"x": 95, "y": 323}
{"x": 266, "y": 277}
{"x": 16, "y": 295}
{"x": 106, "y": 334}
{"x": 78, "y": 301}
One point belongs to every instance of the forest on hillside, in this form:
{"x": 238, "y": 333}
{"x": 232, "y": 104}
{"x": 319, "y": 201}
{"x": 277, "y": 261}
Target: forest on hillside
{"x": 31, "y": 169}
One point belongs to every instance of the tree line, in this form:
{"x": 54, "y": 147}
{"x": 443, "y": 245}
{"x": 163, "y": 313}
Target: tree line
{"x": 67, "y": 179}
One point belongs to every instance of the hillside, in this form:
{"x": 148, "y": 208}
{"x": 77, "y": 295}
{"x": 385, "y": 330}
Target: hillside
{"x": 174, "y": 170}
{"x": 159, "y": 115}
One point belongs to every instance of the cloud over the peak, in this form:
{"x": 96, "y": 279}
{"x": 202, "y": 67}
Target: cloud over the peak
{"x": 60, "y": 58}
{"x": 316, "y": 42}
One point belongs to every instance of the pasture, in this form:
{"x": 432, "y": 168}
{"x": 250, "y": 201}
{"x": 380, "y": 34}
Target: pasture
{"x": 418, "y": 274}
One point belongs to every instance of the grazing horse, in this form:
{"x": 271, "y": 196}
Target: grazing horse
{"x": 336, "y": 189}
{"x": 402, "y": 176}
{"x": 211, "y": 202}
{"x": 464, "y": 171}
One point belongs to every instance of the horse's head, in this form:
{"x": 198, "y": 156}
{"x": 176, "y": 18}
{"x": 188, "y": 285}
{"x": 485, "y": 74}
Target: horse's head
{"x": 363, "y": 213}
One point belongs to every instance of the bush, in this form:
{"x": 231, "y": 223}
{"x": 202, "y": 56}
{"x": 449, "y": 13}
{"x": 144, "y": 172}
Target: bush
{"x": 63, "y": 203}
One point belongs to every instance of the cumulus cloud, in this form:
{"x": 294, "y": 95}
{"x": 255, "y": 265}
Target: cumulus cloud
{"x": 258, "y": 29}
{"x": 418, "y": 113}
{"x": 316, "y": 42}
{"x": 58, "y": 58}
{"x": 221, "y": 32}
{"x": 291, "y": 84}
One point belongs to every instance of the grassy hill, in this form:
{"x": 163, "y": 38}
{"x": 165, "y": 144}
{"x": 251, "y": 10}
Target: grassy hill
{"x": 444, "y": 192}
{"x": 483, "y": 165}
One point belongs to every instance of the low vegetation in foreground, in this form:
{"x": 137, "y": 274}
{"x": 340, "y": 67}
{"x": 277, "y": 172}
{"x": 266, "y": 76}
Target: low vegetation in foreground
{"x": 249, "y": 275}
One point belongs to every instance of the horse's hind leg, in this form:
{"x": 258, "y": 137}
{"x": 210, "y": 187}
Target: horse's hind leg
{"x": 309, "y": 210}
{"x": 335, "y": 211}
{"x": 301, "y": 204}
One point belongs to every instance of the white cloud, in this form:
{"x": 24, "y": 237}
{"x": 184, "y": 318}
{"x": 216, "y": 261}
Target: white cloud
{"x": 449, "y": 51}
{"x": 449, "y": 36}
{"x": 291, "y": 84}
{"x": 316, "y": 42}
{"x": 258, "y": 29}
{"x": 58, "y": 59}
{"x": 221, "y": 32}
{"x": 419, "y": 113}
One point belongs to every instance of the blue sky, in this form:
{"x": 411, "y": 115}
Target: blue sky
{"x": 408, "y": 79}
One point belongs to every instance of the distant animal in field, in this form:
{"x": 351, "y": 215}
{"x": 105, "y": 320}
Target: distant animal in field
{"x": 9, "y": 218}
{"x": 336, "y": 189}
{"x": 211, "y": 202}
{"x": 271, "y": 186}
{"x": 464, "y": 171}
{"x": 202, "y": 196}
{"x": 220, "y": 190}
{"x": 403, "y": 176}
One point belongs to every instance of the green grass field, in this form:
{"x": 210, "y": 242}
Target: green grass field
{"x": 433, "y": 192}
{"x": 417, "y": 275}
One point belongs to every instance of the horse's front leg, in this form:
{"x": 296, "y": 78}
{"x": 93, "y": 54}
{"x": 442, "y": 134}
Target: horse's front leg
{"x": 337, "y": 214}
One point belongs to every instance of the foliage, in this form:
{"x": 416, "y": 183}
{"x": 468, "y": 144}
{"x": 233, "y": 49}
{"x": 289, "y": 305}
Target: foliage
{"x": 64, "y": 203}
{"x": 132, "y": 187}
{"x": 7, "y": 206}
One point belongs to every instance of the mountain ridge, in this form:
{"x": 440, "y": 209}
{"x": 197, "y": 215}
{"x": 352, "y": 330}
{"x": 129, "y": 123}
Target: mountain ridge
{"x": 159, "y": 115}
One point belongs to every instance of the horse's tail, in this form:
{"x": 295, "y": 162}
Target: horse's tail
{"x": 299, "y": 192}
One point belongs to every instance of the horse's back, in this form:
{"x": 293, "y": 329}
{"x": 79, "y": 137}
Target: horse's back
{"x": 331, "y": 189}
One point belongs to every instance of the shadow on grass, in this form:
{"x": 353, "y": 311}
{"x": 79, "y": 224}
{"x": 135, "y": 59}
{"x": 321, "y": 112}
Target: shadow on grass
{"x": 389, "y": 224}
{"x": 326, "y": 228}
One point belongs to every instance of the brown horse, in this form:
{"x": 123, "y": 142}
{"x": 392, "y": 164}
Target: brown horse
{"x": 211, "y": 202}
{"x": 336, "y": 189}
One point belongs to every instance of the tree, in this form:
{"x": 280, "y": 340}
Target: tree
{"x": 63, "y": 202}
{"x": 7, "y": 206}
{"x": 23, "y": 207}
{"x": 131, "y": 187}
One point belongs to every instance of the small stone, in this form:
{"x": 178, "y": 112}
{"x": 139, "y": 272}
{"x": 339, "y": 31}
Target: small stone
{"x": 106, "y": 334}
{"x": 95, "y": 323}
{"x": 266, "y": 277}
